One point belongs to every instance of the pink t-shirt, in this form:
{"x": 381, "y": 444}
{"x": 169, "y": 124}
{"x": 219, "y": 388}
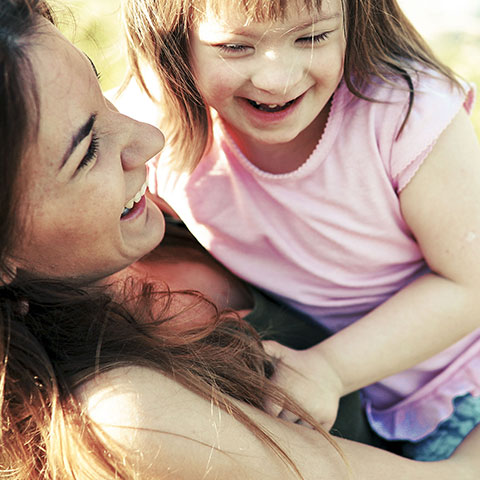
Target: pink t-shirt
{"x": 329, "y": 238}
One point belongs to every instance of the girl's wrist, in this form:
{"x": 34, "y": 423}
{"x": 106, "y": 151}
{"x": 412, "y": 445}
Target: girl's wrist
{"x": 326, "y": 368}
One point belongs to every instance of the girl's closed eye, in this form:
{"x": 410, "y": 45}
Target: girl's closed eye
{"x": 310, "y": 40}
{"x": 91, "y": 154}
{"x": 232, "y": 48}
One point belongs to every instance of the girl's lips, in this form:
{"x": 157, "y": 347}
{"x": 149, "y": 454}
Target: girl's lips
{"x": 270, "y": 108}
{"x": 274, "y": 116}
{"x": 137, "y": 209}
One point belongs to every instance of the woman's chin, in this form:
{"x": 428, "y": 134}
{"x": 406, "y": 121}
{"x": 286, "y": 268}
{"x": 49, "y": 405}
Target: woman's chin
{"x": 145, "y": 232}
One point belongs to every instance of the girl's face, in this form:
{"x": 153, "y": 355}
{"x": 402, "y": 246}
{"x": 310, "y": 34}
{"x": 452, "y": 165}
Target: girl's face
{"x": 84, "y": 213}
{"x": 270, "y": 81}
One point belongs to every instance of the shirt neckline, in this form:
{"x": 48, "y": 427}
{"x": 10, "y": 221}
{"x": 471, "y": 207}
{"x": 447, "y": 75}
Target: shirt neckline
{"x": 316, "y": 157}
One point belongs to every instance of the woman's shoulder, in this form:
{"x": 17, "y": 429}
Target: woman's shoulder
{"x": 124, "y": 397}
{"x": 166, "y": 429}
{"x": 154, "y": 420}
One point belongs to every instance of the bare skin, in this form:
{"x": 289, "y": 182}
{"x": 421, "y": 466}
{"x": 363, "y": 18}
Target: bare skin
{"x": 140, "y": 408}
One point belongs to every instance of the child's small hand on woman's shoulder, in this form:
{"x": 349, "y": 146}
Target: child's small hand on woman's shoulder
{"x": 308, "y": 379}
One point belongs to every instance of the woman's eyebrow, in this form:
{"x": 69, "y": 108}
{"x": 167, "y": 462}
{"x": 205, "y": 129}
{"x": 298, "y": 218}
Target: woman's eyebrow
{"x": 93, "y": 66}
{"x": 82, "y": 132}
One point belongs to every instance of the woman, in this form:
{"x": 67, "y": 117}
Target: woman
{"x": 79, "y": 188}
{"x": 88, "y": 390}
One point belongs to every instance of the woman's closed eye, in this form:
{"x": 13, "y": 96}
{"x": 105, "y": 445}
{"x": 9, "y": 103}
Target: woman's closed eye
{"x": 91, "y": 154}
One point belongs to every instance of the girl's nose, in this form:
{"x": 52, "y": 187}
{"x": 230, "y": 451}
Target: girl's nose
{"x": 277, "y": 74}
{"x": 144, "y": 142}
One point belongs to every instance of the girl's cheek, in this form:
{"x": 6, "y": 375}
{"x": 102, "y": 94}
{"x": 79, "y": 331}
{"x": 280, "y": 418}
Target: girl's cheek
{"x": 226, "y": 82}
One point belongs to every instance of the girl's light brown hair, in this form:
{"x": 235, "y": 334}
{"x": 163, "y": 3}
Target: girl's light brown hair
{"x": 381, "y": 43}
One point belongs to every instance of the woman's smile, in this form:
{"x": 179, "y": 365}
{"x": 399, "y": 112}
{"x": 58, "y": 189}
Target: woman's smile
{"x": 136, "y": 203}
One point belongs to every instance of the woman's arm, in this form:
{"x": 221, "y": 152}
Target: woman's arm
{"x": 171, "y": 432}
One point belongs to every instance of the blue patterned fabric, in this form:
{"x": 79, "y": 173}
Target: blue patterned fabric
{"x": 440, "y": 444}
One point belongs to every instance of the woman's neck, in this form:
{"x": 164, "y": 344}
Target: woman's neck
{"x": 180, "y": 268}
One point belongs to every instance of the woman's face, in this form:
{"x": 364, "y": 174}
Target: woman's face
{"x": 84, "y": 212}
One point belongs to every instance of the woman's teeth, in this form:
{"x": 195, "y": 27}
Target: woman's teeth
{"x": 138, "y": 196}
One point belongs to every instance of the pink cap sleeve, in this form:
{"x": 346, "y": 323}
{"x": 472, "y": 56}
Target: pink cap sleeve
{"x": 435, "y": 105}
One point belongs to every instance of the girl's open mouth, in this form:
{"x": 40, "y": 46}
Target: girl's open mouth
{"x": 272, "y": 108}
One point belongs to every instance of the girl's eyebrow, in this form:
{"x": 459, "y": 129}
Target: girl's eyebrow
{"x": 318, "y": 19}
{"x": 81, "y": 133}
{"x": 302, "y": 26}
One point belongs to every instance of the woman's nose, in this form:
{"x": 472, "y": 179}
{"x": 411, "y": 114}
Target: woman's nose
{"x": 276, "y": 73}
{"x": 144, "y": 142}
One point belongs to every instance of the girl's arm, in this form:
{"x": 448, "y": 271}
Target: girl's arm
{"x": 169, "y": 432}
{"x": 441, "y": 205}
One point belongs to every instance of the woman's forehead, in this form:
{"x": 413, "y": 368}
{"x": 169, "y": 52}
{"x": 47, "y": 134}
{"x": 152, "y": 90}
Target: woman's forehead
{"x": 64, "y": 83}
{"x": 57, "y": 67}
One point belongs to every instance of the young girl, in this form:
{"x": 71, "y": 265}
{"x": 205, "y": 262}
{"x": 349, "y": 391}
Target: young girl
{"x": 325, "y": 155}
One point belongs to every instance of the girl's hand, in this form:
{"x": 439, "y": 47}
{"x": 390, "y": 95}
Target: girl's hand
{"x": 309, "y": 380}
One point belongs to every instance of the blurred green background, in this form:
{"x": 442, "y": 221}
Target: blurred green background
{"x": 95, "y": 26}
{"x": 452, "y": 28}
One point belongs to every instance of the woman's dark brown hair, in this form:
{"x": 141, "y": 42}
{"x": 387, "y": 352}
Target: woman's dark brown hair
{"x": 19, "y": 104}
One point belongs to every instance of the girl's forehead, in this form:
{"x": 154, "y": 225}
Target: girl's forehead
{"x": 256, "y": 10}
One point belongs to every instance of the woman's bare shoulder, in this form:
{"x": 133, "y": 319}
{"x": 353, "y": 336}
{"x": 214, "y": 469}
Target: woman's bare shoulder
{"x": 167, "y": 429}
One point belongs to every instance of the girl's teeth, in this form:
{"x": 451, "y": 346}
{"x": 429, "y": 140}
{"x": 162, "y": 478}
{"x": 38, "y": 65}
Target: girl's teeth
{"x": 272, "y": 105}
{"x": 129, "y": 205}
